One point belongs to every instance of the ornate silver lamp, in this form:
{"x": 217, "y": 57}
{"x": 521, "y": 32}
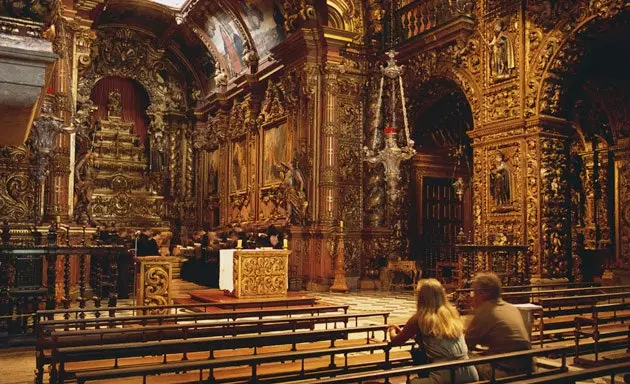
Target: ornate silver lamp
{"x": 391, "y": 155}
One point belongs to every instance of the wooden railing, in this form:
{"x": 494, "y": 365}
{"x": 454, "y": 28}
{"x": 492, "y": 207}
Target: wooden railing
{"x": 416, "y": 17}
{"x": 510, "y": 262}
{"x": 23, "y": 289}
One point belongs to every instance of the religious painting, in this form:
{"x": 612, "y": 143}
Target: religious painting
{"x": 238, "y": 166}
{"x": 275, "y": 153}
{"x": 213, "y": 172}
{"x": 227, "y": 39}
{"x": 265, "y": 22}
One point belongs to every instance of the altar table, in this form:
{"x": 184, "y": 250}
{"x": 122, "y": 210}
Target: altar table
{"x": 254, "y": 273}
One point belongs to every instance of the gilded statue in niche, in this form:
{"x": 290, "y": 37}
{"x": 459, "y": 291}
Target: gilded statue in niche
{"x": 213, "y": 172}
{"x": 114, "y": 104}
{"x": 500, "y": 182}
{"x": 502, "y": 61}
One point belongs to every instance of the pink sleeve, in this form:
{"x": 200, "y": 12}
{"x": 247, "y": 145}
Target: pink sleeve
{"x": 408, "y": 332}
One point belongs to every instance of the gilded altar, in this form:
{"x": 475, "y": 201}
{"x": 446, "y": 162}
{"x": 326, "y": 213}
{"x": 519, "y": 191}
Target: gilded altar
{"x": 153, "y": 281}
{"x": 255, "y": 273}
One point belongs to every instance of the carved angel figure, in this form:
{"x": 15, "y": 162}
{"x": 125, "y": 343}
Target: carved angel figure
{"x": 114, "y": 105}
{"x": 84, "y": 187}
{"x": 294, "y": 189}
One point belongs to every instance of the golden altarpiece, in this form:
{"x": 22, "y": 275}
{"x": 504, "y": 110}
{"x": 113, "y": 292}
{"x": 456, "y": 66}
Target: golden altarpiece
{"x": 260, "y": 122}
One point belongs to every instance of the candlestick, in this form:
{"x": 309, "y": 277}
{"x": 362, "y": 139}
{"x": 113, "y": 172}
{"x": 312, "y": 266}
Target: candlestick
{"x": 341, "y": 224}
{"x": 239, "y": 244}
{"x": 285, "y": 243}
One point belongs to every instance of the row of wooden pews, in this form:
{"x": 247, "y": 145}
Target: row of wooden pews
{"x": 278, "y": 342}
{"x": 87, "y": 348}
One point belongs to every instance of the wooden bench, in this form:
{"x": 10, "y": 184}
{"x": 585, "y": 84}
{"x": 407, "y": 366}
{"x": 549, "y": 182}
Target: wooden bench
{"x": 611, "y": 370}
{"x": 591, "y": 327}
{"x": 524, "y": 288}
{"x": 81, "y": 313}
{"x": 563, "y": 324}
{"x": 143, "y": 320}
{"x": 62, "y": 356}
{"x": 532, "y": 296}
{"x": 450, "y": 366}
{"x": 254, "y": 362}
{"x": 59, "y": 339}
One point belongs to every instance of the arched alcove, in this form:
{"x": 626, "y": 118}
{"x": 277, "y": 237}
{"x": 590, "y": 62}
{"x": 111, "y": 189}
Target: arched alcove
{"x": 440, "y": 116}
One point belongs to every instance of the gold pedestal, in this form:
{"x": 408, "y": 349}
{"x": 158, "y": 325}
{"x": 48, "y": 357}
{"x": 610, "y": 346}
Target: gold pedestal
{"x": 260, "y": 273}
{"x": 153, "y": 281}
{"x": 339, "y": 284}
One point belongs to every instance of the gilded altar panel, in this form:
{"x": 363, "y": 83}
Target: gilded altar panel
{"x": 261, "y": 273}
{"x": 153, "y": 287}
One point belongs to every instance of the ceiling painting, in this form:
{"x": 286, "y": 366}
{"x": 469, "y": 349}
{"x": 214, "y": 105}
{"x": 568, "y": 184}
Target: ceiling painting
{"x": 225, "y": 36}
{"x": 264, "y": 21}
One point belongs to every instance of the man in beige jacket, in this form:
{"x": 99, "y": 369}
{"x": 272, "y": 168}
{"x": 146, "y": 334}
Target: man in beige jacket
{"x": 498, "y": 326}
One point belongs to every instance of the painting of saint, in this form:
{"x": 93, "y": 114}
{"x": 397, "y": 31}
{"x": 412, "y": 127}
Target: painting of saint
{"x": 226, "y": 37}
{"x": 264, "y": 20}
{"x": 213, "y": 172}
{"x": 239, "y": 167}
{"x": 275, "y": 152}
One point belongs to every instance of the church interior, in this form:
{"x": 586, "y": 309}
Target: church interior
{"x": 257, "y": 191}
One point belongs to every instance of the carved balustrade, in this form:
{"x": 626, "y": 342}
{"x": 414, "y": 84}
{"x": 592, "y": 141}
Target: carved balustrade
{"x": 509, "y": 262}
{"x": 416, "y": 17}
{"x": 29, "y": 280}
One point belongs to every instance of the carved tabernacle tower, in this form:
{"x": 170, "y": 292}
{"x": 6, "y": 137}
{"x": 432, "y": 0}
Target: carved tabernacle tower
{"x": 123, "y": 193}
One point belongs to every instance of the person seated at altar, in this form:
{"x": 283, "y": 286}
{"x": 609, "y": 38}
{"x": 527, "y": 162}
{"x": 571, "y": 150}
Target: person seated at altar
{"x": 439, "y": 331}
{"x": 498, "y": 326}
{"x": 146, "y": 245}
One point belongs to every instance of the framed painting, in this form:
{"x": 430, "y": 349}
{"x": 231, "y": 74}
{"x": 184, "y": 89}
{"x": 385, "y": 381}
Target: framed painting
{"x": 238, "y": 166}
{"x": 213, "y": 172}
{"x": 276, "y": 152}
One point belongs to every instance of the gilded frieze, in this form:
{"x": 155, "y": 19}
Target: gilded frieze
{"x": 623, "y": 209}
{"x": 18, "y": 193}
{"x": 503, "y": 103}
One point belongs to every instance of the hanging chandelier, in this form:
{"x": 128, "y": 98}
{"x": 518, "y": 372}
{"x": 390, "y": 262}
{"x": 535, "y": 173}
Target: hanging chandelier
{"x": 391, "y": 155}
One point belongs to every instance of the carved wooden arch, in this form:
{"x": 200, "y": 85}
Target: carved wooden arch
{"x": 144, "y": 74}
{"x": 350, "y": 12}
{"x": 563, "y": 62}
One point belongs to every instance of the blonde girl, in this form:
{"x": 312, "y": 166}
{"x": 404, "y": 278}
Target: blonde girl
{"x": 439, "y": 330}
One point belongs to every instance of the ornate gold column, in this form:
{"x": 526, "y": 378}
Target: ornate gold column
{"x": 329, "y": 188}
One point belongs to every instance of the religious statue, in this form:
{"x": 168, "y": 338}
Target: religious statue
{"x": 250, "y": 57}
{"x": 502, "y": 60}
{"x": 294, "y": 189}
{"x": 114, "y": 104}
{"x": 221, "y": 77}
{"x": 84, "y": 176}
{"x": 500, "y": 187}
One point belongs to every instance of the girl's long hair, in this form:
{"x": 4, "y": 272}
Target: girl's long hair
{"x": 436, "y": 316}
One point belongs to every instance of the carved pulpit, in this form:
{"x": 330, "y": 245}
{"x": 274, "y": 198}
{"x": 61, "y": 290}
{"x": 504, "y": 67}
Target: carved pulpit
{"x": 121, "y": 186}
{"x": 254, "y": 273}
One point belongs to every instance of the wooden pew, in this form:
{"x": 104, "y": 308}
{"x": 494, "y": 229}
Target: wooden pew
{"x": 144, "y": 320}
{"x": 62, "y": 356}
{"x": 379, "y": 360}
{"x": 523, "y": 288}
{"x": 534, "y": 296}
{"x": 564, "y": 308}
{"x": 611, "y": 370}
{"x": 591, "y": 327}
{"x": 81, "y": 313}
{"x": 449, "y": 365}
